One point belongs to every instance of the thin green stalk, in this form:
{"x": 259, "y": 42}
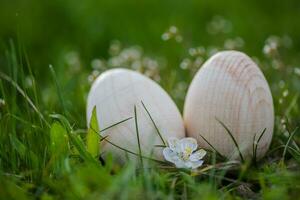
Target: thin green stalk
{"x": 288, "y": 142}
{"x": 233, "y": 139}
{"x": 126, "y": 150}
{"x": 31, "y": 74}
{"x": 58, "y": 89}
{"x": 211, "y": 146}
{"x": 157, "y": 130}
{"x": 124, "y": 120}
{"x": 21, "y": 91}
{"x": 137, "y": 134}
{"x": 255, "y": 144}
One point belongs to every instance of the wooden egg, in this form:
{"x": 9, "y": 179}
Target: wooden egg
{"x": 230, "y": 88}
{"x": 115, "y": 93}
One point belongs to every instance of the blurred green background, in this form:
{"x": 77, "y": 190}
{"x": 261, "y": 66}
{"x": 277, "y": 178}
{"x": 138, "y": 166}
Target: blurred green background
{"x": 48, "y": 27}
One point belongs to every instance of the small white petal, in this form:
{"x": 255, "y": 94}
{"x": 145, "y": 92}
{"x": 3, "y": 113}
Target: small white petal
{"x": 196, "y": 164}
{"x": 170, "y": 155}
{"x": 193, "y": 165}
{"x": 198, "y": 155}
{"x": 188, "y": 164}
{"x": 188, "y": 143}
{"x": 173, "y": 143}
{"x": 180, "y": 164}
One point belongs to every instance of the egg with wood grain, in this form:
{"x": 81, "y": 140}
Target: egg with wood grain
{"x": 115, "y": 93}
{"x": 229, "y": 104}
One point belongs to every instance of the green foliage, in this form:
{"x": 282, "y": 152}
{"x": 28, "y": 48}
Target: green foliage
{"x": 59, "y": 140}
{"x": 59, "y": 146}
{"x": 92, "y": 137}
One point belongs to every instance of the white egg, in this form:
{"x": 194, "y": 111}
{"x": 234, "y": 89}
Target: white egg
{"x": 115, "y": 93}
{"x": 230, "y": 88}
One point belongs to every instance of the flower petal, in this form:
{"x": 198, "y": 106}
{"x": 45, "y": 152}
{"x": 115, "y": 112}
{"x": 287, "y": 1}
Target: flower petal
{"x": 196, "y": 164}
{"x": 180, "y": 164}
{"x": 170, "y": 155}
{"x": 173, "y": 143}
{"x": 188, "y": 143}
{"x": 198, "y": 155}
{"x": 188, "y": 164}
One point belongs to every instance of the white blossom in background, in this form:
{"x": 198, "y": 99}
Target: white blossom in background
{"x": 172, "y": 33}
{"x": 186, "y": 63}
{"x": 72, "y": 60}
{"x": 98, "y": 64}
{"x": 183, "y": 153}
{"x": 212, "y": 50}
{"x": 179, "y": 90}
{"x": 131, "y": 57}
{"x": 115, "y": 47}
{"x": 235, "y": 43}
{"x": 197, "y": 51}
{"x": 285, "y": 93}
{"x": 194, "y": 60}
{"x": 274, "y": 43}
{"x": 270, "y": 48}
{"x": 297, "y": 71}
{"x": 29, "y": 81}
{"x": 281, "y": 84}
{"x": 2, "y": 103}
{"x": 219, "y": 25}
{"x": 93, "y": 76}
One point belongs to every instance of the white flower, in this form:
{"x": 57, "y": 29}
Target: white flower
{"x": 181, "y": 153}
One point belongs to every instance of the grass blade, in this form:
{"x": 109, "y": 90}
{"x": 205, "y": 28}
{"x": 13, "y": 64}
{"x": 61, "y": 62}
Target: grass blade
{"x": 59, "y": 147}
{"x": 62, "y": 119}
{"x": 211, "y": 146}
{"x": 137, "y": 134}
{"x": 58, "y": 89}
{"x": 119, "y": 147}
{"x": 233, "y": 139}
{"x": 75, "y": 139}
{"x": 24, "y": 121}
{"x": 255, "y": 143}
{"x": 288, "y": 143}
{"x": 128, "y": 151}
{"x": 157, "y": 130}
{"x": 22, "y": 92}
{"x": 92, "y": 137}
{"x": 24, "y": 152}
{"x": 79, "y": 145}
{"x": 124, "y": 120}
{"x": 292, "y": 105}
{"x": 160, "y": 146}
{"x": 31, "y": 74}
{"x": 294, "y": 150}
{"x": 59, "y": 139}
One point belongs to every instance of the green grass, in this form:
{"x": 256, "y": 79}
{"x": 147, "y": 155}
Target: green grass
{"x": 47, "y": 150}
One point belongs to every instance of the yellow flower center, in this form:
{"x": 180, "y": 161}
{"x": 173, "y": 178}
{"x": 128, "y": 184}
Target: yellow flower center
{"x": 186, "y": 153}
{"x": 188, "y": 150}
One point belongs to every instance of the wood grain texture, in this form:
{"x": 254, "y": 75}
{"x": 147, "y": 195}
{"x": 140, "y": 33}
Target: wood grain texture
{"x": 115, "y": 93}
{"x": 230, "y": 87}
